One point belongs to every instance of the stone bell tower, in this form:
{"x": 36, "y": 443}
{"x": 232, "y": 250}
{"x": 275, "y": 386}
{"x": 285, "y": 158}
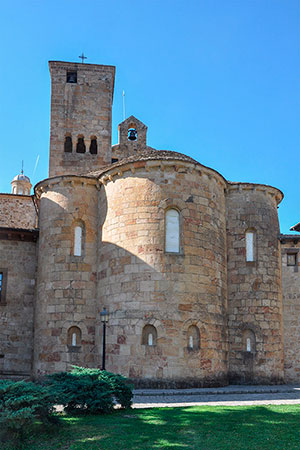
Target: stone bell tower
{"x": 81, "y": 107}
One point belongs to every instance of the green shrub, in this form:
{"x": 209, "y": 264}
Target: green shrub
{"x": 21, "y": 404}
{"x": 121, "y": 390}
{"x": 89, "y": 391}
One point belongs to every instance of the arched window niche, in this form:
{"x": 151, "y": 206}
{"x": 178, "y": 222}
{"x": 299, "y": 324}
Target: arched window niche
{"x": 80, "y": 146}
{"x": 172, "y": 231}
{"x": 93, "y": 146}
{"x": 250, "y": 239}
{"x": 193, "y": 338}
{"x": 78, "y": 238}
{"x": 74, "y": 337}
{"x": 68, "y": 145}
{"x": 149, "y": 335}
{"x": 249, "y": 341}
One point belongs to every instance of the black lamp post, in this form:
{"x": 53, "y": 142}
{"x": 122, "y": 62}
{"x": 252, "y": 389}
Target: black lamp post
{"x": 104, "y": 320}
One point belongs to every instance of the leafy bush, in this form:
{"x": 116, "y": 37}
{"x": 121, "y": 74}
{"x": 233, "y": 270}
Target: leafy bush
{"x": 90, "y": 391}
{"x": 21, "y": 404}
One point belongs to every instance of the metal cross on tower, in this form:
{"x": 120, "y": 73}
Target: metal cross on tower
{"x": 82, "y": 57}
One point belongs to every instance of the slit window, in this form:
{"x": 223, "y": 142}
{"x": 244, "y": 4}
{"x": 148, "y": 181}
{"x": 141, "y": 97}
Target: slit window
{"x": 74, "y": 340}
{"x": 248, "y": 344}
{"x": 249, "y": 341}
{"x": 250, "y": 246}
{"x": 150, "y": 339}
{"x": 77, "y": 240}
{"x": 172, "y": 231}
{"x": 193, "y": 338}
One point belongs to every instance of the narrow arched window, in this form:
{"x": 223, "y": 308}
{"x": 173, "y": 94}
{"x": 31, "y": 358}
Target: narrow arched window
{"x": 93, "y": 146}
{"x": 172, "y": 231}
{"x": 250, "y": 246}
{"x": 249, "y": 341}
{"x": 14, "y": 190}
{"x": 80, "y": 147}
{"x": 193, "y": 338}
{"x": 149, "y": 335}
{"x": 74, "y": 336}
{"x": 68, "y": 146}
{"x": 77, "y": 240}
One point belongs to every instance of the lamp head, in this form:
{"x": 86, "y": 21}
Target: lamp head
{"x": 104, "y": 315}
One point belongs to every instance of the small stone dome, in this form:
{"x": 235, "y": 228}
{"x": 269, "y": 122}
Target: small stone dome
{"x": 21, "y": 184}
{"x": 21, "y": 177}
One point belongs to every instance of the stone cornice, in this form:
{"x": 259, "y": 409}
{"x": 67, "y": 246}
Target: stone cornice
{"x": 275, "y": 193}
{"x": 80, "y": 66}
{"x": 18, "y": 234}
{"x": 180, "y": 166}
{"x": 72, "y": 180}
{"x": 9, "y": 195}
{"x": 295, "y": 238}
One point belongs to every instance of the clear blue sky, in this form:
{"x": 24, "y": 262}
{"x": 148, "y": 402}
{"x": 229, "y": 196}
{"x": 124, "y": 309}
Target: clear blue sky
{"x": 218, "y": 80}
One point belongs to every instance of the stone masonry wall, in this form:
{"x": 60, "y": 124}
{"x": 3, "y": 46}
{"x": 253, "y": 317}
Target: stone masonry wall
{"x": 140, "y": 284}
{"x": 80, "y": 109}
{"x": 18, "y": 262}
{"x": 291, "y": 310}
{"x": 17, "y": 211}
{"x": 66, "y": 285}
{"x": 254, "y": 288}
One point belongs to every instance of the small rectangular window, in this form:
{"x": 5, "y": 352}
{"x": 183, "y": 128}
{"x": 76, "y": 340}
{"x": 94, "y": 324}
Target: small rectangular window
{"x": 292, "y": 259}
{"x": 72, "y": 77}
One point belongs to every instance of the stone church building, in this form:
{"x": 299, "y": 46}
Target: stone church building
{"x": 200, "y": 286}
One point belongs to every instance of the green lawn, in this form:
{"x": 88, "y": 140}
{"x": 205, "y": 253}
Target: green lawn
{"x": 198, "y": 427}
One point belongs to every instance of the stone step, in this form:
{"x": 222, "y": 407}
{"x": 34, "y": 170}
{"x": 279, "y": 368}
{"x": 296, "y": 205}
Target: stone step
{"x": 227, "y": 390}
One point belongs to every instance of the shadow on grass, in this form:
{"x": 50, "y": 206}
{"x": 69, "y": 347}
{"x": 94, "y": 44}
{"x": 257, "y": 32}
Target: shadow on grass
{"x": 208, "y": 427}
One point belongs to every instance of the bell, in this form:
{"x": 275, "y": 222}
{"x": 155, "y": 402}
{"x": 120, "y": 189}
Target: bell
{"x": 72, "y": 77}
{"x": 132, "y": 135}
